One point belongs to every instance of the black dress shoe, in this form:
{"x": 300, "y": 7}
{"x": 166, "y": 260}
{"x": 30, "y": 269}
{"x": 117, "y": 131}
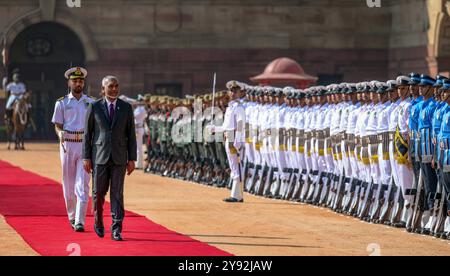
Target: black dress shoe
{"x": 79, "y": 227}
{"x": 100, "y": 231}
{"x": 401, "y": 224}
{"x": 233, "y": 200}
{"x": 72, "y": 224}
{"x": 116, "y": 236}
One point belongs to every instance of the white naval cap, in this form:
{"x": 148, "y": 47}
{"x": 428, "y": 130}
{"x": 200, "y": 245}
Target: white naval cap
{"x": 235, "y": 84}
{"x": 76, "y": 73}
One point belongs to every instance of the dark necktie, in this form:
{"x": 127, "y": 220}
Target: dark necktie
{"x": 111, "y": 112}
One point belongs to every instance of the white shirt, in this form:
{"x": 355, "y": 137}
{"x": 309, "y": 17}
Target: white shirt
{"x": 372, "y": 122}
{"x": 393, "y": 117}
{"x": 16, "y": 89}
{"x": 363, "y": 117}
{"x": 335, "y": 118}
{"x": 71, "y": 112}
{"x": 404, "y": 110}
{"x": 234, "y": 114}
{"x": 353, "y": 118}
{"x": 280, "y": 117}
{"x": 109, "y": 103}
{"x": 264, "y": 122}
{"x": 383, "y": 117}
{"x": 306, "y": 115}
{"x": 140, "y": 113}
{"x": 321, "y": 117}
{"x": 299, "y": 122}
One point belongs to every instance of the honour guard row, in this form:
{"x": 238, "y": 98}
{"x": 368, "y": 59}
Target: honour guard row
{"x": 375, "y": 150}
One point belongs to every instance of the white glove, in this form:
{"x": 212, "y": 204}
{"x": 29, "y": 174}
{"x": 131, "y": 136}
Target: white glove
{"x": 238, "y": 145}
{"x": 61, "y": 135}
{"x": 211, "y": 128}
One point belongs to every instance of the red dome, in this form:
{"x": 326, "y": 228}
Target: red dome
{"x": 284, "y": 70}
{"x": 284, "y": 65}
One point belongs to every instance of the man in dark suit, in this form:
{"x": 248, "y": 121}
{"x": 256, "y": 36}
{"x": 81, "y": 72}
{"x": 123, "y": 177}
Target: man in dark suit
{"x": 109, "y": 150}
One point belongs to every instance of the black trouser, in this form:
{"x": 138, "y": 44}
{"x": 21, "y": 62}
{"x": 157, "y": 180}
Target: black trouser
{"x": 430, "y": 185}
{"x": 163, "y": 149}
{"x": 416, "y": 171}
{"x": 445, "y": 176}
{"x": 154, "y": 148}
{"x": 105, "y": 176}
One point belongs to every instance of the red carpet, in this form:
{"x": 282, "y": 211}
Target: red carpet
{"x": 34, "y": 207}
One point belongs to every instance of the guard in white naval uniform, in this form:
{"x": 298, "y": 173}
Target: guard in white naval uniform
{"x": 234, "y": 127}
{"x": 69, "y": 120}
{"x": 140, "y": 113}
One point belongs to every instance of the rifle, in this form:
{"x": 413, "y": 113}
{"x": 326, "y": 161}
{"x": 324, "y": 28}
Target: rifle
{"x": 418, "y": 204}
{"x": 386, "y": 208}
{"x": 367, "y": 201}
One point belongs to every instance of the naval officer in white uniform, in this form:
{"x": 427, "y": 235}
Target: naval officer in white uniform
{"x": 69, "y": 117}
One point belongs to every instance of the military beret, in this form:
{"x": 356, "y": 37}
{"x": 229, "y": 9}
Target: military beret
{"x": 147, "y": 97}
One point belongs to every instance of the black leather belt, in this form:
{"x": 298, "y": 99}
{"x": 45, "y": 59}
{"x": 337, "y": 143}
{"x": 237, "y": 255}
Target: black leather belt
{"x": 74, "y": 132}
{"x": 373, "y": 139}
{"x": 73, "y": 140}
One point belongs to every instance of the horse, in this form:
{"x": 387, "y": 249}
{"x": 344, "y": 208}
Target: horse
{"x": 20, "y": 121}
{"x": 9, "y": 131}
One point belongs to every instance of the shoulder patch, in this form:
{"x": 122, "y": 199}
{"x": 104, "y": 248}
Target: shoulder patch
{"x": 62, "y": 98}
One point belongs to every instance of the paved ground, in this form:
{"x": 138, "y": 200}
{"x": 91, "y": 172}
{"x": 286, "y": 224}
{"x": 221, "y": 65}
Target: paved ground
{"x": 258, "y": 227}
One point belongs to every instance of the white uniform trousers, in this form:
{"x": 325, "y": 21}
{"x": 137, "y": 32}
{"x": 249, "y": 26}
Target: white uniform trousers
{"x": 75, "y": 182}
{"x": 140, "y": 150}
{"x": 385, "y": 165}
{"x": 346, "y": 161}
{"x": 249, "y": 153}
{"x": 394, "y": 165}
{"x": 374, "y": 167}
{"x": 234, "y": 160}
